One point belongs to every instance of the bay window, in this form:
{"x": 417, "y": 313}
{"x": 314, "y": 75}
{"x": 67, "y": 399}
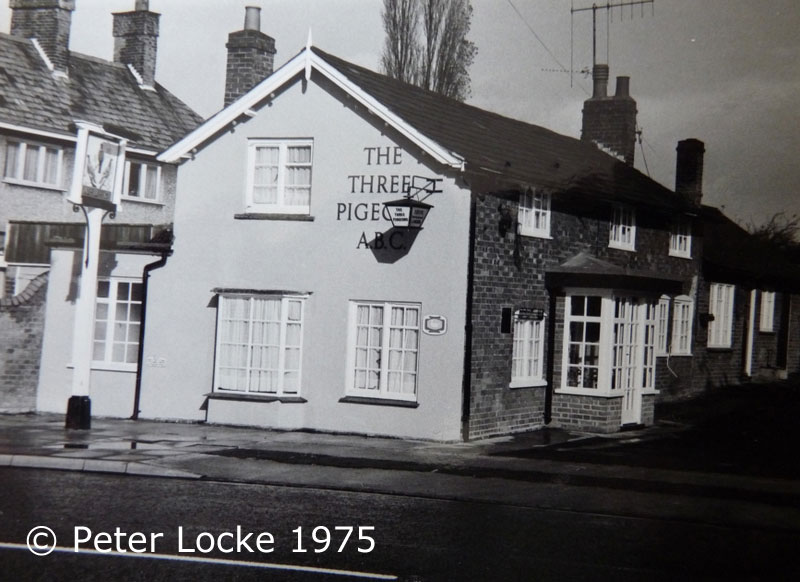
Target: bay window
{"x": 609, "y": 344}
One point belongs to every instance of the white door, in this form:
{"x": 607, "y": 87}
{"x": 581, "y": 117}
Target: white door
{"x": 633, "y": 368}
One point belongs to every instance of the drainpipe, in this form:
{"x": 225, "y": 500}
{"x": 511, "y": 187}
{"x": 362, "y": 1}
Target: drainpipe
{"x": 551, "y": 350}
{"x": 466, "y": 384}
{"x": 751, "y": 323}
{"x": 140, "y": 356}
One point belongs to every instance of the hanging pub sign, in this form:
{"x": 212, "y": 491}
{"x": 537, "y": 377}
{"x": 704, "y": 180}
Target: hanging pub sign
{"x": 529, "y": 313}
{"x": 99, "y": 168}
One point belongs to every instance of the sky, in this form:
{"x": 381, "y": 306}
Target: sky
{"x": 726, "y": 72}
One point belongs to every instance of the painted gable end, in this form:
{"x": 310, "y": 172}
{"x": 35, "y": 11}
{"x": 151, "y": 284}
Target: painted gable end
{"x": 341, "y": 253}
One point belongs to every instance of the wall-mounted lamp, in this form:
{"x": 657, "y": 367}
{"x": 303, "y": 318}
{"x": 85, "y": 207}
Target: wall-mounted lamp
{"x": 506, "y": 221}
{"x": 705, "y": 318}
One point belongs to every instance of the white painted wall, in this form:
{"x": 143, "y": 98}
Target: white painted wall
{"x": 214, "y": 250}
{"x": 111, "y": 391}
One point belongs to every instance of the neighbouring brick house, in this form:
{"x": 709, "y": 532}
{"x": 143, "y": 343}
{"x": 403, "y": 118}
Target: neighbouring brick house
{"x": 551, "y": 281}
{"x": 749, "y": 308}
{"x": 44, "y": 90}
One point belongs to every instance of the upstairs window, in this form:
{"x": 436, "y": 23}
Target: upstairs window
{"x": 622, "y": 233}
{"x": 720, "y": 328}
{"x": 534, "y": 213}
{"x": 279, "y": 176}
{"x": 680, "y": 239}
{"x": 33, "y": 164}
{"x": 142, "y": 181}
{"x": 767, "y": 318}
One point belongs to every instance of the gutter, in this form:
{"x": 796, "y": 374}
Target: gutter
{"x": 140, "y": 355}
{"x": 466, "y": 383}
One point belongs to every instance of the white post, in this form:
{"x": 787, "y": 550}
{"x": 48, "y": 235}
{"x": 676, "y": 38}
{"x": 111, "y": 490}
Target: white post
{"x": 84, "y": 306}
{"x": 96, "y": 189}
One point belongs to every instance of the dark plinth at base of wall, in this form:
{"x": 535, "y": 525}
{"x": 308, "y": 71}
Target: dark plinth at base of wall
{"x": 79, "y": 413}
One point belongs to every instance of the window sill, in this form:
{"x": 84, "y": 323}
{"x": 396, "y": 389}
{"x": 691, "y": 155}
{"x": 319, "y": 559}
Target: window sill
{"x": 767, "y": 331}
{"x": 250, "y": 397}
{"x": 532, "y": 383}
{"x": 107, "y": 367}
{"x": 267, "y": 216}
{"x": 379, "y": 401}
{"x": 680, "y": 255}
{"x": 145, "y": 201}
{"x": 25, "y": 183}
{"x": 588, "y": 392}
{"x": 650, "y": 392}
{"x": 680, "y": 354}
{"x": 621, "y": 247}
{"x": 534, "y": 234}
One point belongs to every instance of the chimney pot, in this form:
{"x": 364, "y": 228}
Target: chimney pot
{"x": 251, "y": 55}
{"x": 689, "y": 169}
{"x": 600, "y": 79}
{"x": 252, "y": 18}
{"x": 142, "y": 5}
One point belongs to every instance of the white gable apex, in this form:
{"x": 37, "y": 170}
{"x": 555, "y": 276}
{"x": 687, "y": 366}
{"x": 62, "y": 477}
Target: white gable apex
{"x": 304, "y": 62}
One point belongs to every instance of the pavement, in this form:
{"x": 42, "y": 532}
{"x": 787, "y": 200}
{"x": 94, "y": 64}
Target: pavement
{"x": 641, "y": 460}
{"x": 665, "y": 459}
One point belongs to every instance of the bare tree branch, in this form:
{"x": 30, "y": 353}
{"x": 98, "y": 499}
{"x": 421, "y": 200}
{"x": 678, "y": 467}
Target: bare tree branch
{"x": 426, "y": 44}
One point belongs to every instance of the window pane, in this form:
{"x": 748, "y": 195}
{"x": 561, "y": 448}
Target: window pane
{"x": 151, "y": 183}
{"x": 134, "y": 179}
{"x": 12, "y": 159}
{"x": 299, "y": 154}
{"x": 51, "y": 166}
{"x": 31, "y": 163}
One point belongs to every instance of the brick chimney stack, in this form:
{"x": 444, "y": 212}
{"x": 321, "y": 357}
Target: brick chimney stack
{"x": 689, "y": 170}
{"x": 136, "y": 40}
{"x": 251, "y": 56}
{"x": 48, "y": 21}
{"x": 610, "y": 121}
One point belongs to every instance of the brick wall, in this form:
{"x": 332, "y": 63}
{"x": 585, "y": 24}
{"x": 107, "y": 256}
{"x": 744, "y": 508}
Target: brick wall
{"x": 48, "y": 21}
{"x": 136, "y": 42}
{"x": 793, "y": 350}
{"x": 592, "y": 413}
{"x": 251, "y": 57}
{"x": 498, "y": 282}
{"x": 21, "y": 332}
{"x": 719, "y": 366}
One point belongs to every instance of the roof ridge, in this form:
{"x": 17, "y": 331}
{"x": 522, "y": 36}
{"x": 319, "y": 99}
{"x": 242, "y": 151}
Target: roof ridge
{"x": 435, "y": 95}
